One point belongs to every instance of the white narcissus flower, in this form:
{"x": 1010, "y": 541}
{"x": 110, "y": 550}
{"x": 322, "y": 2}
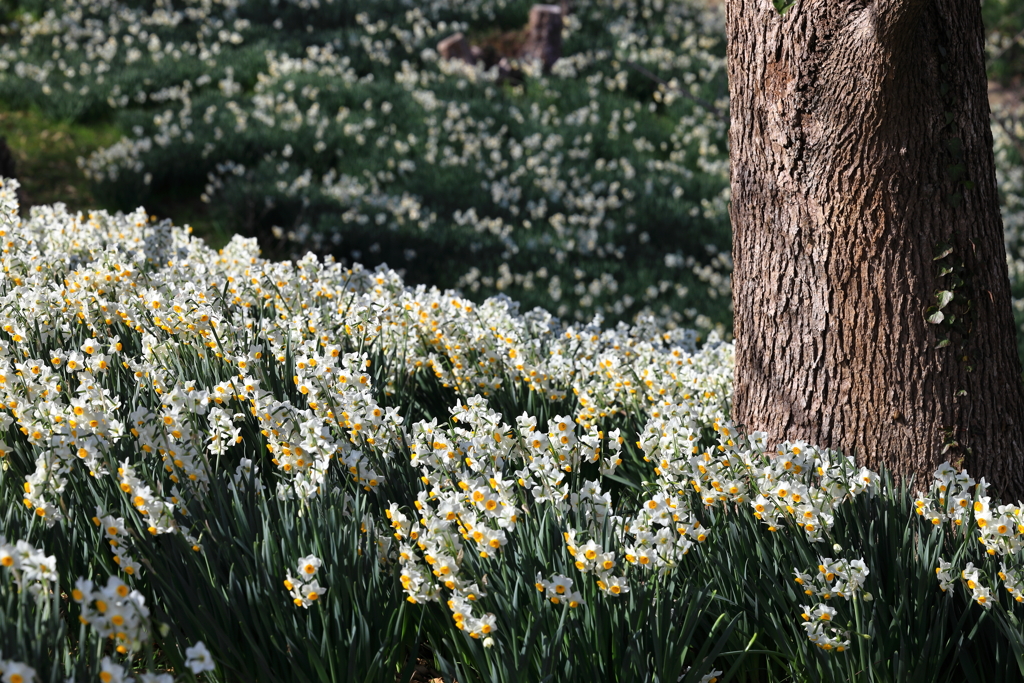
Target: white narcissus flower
{"x": 982, "y": 596}
{"x": 111, "y": 672}
{"x": 198, "y": 659}
{"x": 309, "y": 565}
{"x": 155, "y": 678}
{"x": 16, "y": 672}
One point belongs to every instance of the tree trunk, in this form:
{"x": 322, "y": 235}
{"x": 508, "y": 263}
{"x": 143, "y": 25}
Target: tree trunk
{"x": 871, "y": 293}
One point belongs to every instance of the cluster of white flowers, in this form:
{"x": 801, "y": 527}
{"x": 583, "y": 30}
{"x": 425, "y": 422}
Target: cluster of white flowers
{"x": 114, "y": 611}
{"x": 834, "y": 579}
{"x": 305, "y": 589}
{"x": 117, "y": 538}
{"x": 591, "y": 557}
{"x": 950, "y": 498}
{"x": 112, "y": 672}
{"x": 972, "y": 578}
{"x": 28, "y": 567}
{"x": 817, "y": 624}
{"x": 127, "y": 282}
{"x": 97, "y": 273}
{"x": 1000, "y": 529}
{"x": 197, "y": 660}
{"x": 799, "y": 482}
{"x": 559, "y": 590}
{"x": 954, "y": 497}
{"x": 662, "y": 532}
{"x": 467, "y": 496}
{"x": 807, "y": 483}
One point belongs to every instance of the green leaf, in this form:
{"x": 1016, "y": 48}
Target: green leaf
{"x": 934, "y": 315}
{"x": 944, "y": 297}
{"x": 942, "y": 250}
{"x": 943, "y": 343}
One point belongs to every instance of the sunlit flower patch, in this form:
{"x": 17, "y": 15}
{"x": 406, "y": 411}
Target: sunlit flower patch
{"x": 472, "y": 456}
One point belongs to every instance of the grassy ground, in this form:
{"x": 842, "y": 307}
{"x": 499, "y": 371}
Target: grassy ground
{"x": 46, "y": 152}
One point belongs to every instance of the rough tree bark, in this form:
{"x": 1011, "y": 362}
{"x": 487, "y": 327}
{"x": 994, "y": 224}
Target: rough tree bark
{"x": 872, "y": 303}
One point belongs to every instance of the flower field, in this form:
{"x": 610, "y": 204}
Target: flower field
{"x": 226, "y": 467}
{"x": 599, "y": 188}
{"x": 221, "y": 466}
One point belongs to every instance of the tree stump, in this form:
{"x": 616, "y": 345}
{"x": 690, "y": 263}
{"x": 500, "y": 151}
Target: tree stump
{"x": 544, "y": 35}
{"x": 456, "y": 46}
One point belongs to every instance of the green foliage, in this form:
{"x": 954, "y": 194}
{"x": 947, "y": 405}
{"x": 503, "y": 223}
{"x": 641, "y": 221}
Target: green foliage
{"x": 45, "y": 152}
{"x": 1004, "y": 20}
{"x": 783, "y": 6}
{"x": 232, "y": 594}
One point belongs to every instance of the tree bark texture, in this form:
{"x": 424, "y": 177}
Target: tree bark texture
{"x": 864, "y": 202}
